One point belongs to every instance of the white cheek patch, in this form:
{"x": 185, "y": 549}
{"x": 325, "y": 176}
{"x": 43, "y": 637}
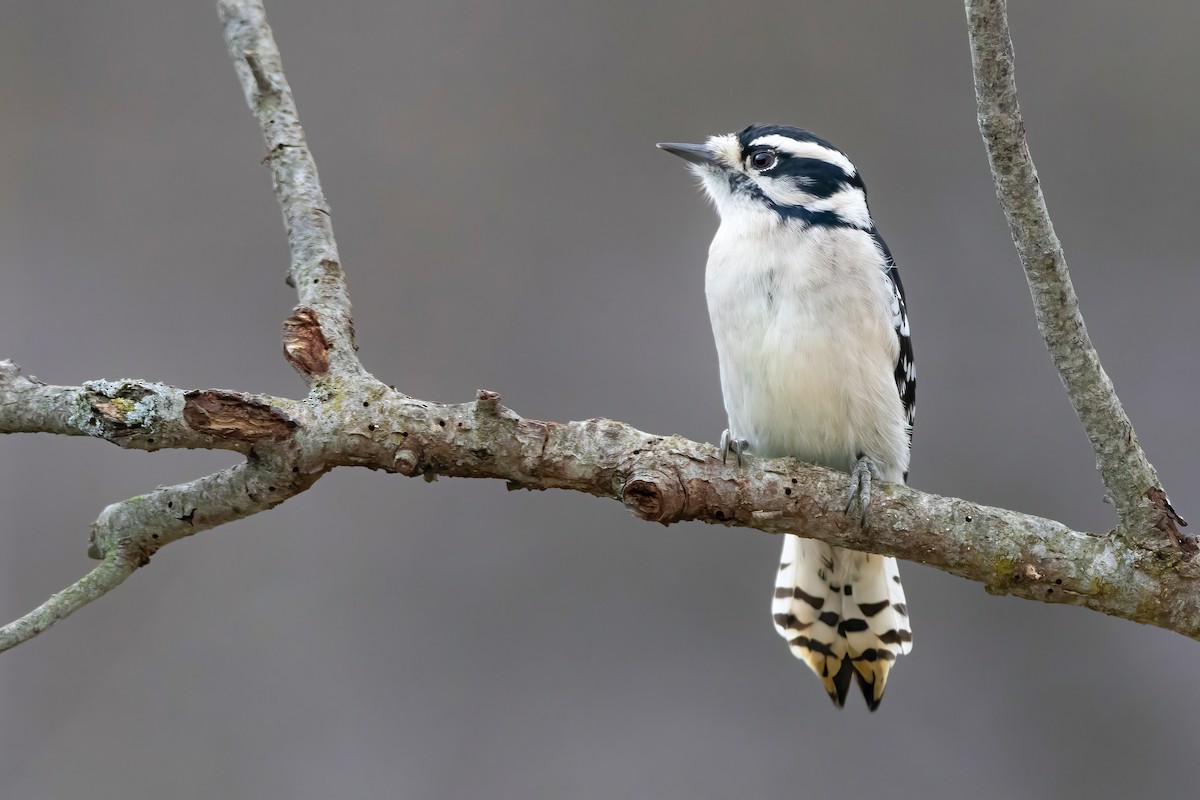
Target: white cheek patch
{"x": 806, "y": 150}
{"x": 850, "y": 204}
{"x": 785, "y": 192}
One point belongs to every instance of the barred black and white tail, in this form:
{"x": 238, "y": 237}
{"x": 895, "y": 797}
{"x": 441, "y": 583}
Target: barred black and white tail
{"x": 843, "y": 613}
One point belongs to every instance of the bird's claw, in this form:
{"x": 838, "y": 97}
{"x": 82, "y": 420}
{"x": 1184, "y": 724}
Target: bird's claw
{"x": 865, "y": 471}
{"x": 731, "y": 444}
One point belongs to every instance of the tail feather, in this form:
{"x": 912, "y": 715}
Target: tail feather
{"x": 843, "y": 613}
{"x": 807, "y": 613}
{"x": 876, "y": 624}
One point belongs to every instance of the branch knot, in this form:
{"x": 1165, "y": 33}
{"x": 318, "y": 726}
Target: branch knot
{"x": 654, "y": 496}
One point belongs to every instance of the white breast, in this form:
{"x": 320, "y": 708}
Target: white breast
{"x": 803, "y": 331}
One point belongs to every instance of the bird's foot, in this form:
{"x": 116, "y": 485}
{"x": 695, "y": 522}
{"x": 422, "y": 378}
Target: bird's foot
{"x": 730, "y": 444}
{"x": 865, "y": 471}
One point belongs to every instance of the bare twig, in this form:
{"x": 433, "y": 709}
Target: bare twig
{"x": 128, "y": 533}
{"x": 142, "y": 525}
{"x": 1127, "y": 473}
{"x": 316, "y": 267}
{"x": 106, "y": 576}
{"x": 138, "y": 414}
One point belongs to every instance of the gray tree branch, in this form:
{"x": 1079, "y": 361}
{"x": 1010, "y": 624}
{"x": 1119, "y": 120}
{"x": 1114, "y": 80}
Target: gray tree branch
{"x": 662, "y": 479}
{"x": 1131, "y": 480}
{"x": 316, "y": 268}
{"x": 351, "y": 419}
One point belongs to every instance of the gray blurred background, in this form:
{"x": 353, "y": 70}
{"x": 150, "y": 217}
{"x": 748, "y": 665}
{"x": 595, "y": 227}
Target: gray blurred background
{"x": 506, "y": 223}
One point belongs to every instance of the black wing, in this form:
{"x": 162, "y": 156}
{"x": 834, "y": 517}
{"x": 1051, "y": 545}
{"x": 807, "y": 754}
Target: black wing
{"x": 906, "y": 369}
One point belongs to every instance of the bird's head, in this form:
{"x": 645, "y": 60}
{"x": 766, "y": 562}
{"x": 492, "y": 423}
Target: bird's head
{"x": 780, "y": 171}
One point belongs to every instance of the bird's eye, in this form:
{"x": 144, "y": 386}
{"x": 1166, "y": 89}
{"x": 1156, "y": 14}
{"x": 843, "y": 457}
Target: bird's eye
{"x": 763, "y": 159}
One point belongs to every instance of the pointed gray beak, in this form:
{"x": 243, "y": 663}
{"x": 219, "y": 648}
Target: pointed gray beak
{"x": 695, "y": 153}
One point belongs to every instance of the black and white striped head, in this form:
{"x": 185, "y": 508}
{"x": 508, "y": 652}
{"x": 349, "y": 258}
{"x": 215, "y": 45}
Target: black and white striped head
{"x": 781, "y": 171}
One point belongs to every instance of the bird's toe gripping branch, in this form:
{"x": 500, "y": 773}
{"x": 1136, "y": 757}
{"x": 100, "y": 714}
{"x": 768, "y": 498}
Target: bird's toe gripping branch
{"x": 732, "y": 444}
{"x": 859, "y": 496}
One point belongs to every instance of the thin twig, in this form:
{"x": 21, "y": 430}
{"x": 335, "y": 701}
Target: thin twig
{"x": 128, "y": 533}
{"x": 316, "y": 267}
{"x": 1127, "y": 473}
{"x": 106, "y": 576}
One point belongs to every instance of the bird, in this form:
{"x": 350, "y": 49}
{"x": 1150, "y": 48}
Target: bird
{"x": 811, "y": 329}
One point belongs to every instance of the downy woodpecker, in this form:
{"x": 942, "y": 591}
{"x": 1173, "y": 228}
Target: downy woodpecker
{"x": 816, "y": 362}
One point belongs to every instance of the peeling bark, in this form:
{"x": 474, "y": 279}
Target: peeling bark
{"x": 304, "y": 344}
{"x": 228, "y": 415}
